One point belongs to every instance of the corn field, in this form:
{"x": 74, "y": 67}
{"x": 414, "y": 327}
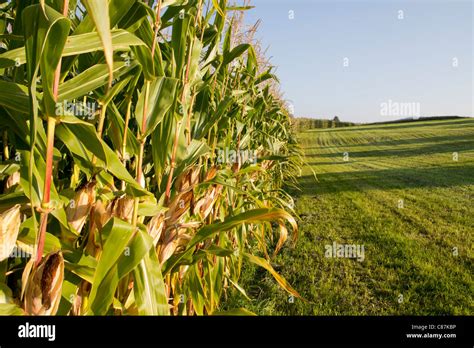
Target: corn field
{"x": 145, "y": 158}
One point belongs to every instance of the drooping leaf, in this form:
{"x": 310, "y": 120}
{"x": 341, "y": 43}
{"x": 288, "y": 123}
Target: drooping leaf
{"x": 98, "y": 10}
{"x": 265, "y": 264}
{"x": 251, "y": 216}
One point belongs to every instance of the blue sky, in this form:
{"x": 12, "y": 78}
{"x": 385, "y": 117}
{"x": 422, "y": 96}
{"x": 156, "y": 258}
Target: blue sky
{"x": 407, "y": 60}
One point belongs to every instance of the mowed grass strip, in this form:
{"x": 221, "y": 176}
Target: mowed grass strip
{"x": 403, "y": 191}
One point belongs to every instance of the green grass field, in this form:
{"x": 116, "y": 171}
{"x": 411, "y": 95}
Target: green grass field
{"x": 400, "y": 193}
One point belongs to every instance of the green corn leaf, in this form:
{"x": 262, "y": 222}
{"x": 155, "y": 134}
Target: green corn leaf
{"x": 204, "y": 124}
{"x": 196, "y": 289}
{"x": 14, "y": 96}
{"x": 90, "y": 79}
{"x": 81, "y": 139}
{"x": 117, "y": 128}
{"x": 161, "y": 96}
{"x": 265, "y": 77}
{"x": 98, "y": 10}
{"x": 216, "y": 5}
{"x": 235, "y": 53}
{"x": 45, "y": 38}
{"x": 27, "y": 238}
{"x": 149, "y": 287}
{"x": 122, "y": 40}
{"x": 78, "y": 136}
{"x": 9, "y": 200}
{"x": 83, "y": 271}
{"x": 163, "y": 135}
{"x": 123, "y": 251}
{"x": 117, "y": 10}
{"x": 179, "y": 40}
{"x": 118, "y": 234}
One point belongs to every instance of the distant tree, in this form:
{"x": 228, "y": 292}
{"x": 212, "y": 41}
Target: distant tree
{"x": 336, "y": 119}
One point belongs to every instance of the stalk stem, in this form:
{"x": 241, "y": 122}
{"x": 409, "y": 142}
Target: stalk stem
{"x": 45, "y": 204}
{"x": 173, "y": 162}
{"x": 47, "y": 188}
{"x": 125, "y": 128}
{"x": 125, "y": 133}
{"x": 141, "y": 132}
{"x": 178, "y": 125}
{"x": 157, "y": 26}
{"x": 100, "y": 127}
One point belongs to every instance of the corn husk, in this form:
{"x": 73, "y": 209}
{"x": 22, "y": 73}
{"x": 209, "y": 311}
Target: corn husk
{"x": 178, "y": 206}
{"x": 101, "y": 214}
{"x": 10, "y": 222}
{"x": 123, "y": 208}
{"x": 155, "y": 227}
{"x": 188, "y": 179}
{"x": 12, "y": 180}
{"x": 211, "y": 173}
{"x": 174, "y": 239}
{"x": 190, "y": 224}
{"x": 236, "y": 166}
{"x": 77, "y": 304}
{"x": 43, "y": 288}
{"x": 167, "y": 251}
{"x": 170, "y": 243}
{"x": 205, "y": 205}
{"x": 182, "y": 271}
{"x": 83, "y": 201}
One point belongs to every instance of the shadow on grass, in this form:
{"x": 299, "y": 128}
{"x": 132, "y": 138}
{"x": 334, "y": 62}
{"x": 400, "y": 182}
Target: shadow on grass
{"x": 414, "y": 124}
{"x": 457, "y": 146}
{"x": 443, "y": 140}
{"x": 387, "y": 179}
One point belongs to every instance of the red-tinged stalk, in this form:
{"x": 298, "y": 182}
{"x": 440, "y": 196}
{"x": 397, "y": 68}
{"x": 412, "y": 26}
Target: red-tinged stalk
{"x": 47, "y": 188}
{"x": 45, "y": 204}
